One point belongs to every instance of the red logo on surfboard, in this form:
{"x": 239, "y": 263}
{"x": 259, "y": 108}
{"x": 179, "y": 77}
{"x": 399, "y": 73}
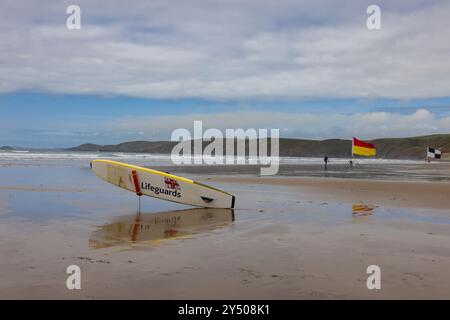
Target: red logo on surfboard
{"x": 172, "y": 183}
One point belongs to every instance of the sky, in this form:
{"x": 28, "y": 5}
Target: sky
{"x": 137, "y": 70}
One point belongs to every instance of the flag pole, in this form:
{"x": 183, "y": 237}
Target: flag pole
{"x": 351, "y": 158}
{"x": 353, "y": 146}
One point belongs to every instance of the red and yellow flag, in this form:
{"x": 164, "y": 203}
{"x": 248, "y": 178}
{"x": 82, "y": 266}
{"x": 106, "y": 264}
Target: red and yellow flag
{"x": 363, "y": 148}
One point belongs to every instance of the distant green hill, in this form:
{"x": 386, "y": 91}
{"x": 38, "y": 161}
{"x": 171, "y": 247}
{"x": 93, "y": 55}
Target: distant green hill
{"x": 412, "y": 148}
{"x": 392, "y": 148}
{"x": 161, "y": 147}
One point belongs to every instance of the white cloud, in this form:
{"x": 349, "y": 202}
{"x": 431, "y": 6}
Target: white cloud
{"x": 367, "y": 125}
{"x": 227, "y": 49}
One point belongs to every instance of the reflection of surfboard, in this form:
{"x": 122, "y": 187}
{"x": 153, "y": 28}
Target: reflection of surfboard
{"x": 161, "y": 185}
{"x": 153, "y": 228}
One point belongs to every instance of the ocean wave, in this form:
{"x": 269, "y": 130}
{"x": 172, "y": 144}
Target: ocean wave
{"x": 27, "y": 155}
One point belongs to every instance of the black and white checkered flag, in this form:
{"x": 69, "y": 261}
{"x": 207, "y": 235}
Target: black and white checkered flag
{"x": 433, "y": 153}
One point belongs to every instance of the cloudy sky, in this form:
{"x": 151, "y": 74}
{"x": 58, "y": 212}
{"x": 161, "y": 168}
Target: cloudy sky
{"x": 139, "y": 69}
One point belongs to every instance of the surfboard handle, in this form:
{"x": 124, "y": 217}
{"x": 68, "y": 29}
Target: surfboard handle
{"x": 137, "y": 188}
{"x": 206, "y": 199}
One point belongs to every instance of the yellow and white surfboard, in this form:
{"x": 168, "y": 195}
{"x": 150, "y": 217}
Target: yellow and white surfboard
{"x": 161, "y": 185}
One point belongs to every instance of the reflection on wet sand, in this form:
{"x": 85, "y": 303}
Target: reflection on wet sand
{"x": 152, "y": 228}
{"x": 361, "y": 210}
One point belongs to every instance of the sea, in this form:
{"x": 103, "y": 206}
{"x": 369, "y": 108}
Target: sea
{"x": 365, "y": 168}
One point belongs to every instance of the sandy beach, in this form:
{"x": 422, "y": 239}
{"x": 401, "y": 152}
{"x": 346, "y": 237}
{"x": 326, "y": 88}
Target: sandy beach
{"x": 288, "y": 238}
{"x": 415, "y": 194}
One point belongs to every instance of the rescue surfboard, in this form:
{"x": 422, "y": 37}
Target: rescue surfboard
{"x": 161, "y": 185}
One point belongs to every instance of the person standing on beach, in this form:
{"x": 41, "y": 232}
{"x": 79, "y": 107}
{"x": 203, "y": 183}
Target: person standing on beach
{"x": 326, "y": 162}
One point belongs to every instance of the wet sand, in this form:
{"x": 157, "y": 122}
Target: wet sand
{"x": 288, "y": 238}
{"x": 415, "y": 194}
{"x": 402, "y": 171}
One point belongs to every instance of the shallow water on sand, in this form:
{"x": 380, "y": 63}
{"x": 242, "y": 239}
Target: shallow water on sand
{"x": 276, "y": 244}
{"x": 384, "y": 169}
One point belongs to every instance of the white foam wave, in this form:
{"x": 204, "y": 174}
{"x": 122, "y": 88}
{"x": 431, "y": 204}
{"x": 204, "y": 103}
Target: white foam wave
{"x": 30, "y": 155}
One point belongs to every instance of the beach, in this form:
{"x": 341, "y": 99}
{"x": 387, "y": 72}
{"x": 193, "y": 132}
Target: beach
{"x": 415, "y": 194}
{"x": 300, "y": 236}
